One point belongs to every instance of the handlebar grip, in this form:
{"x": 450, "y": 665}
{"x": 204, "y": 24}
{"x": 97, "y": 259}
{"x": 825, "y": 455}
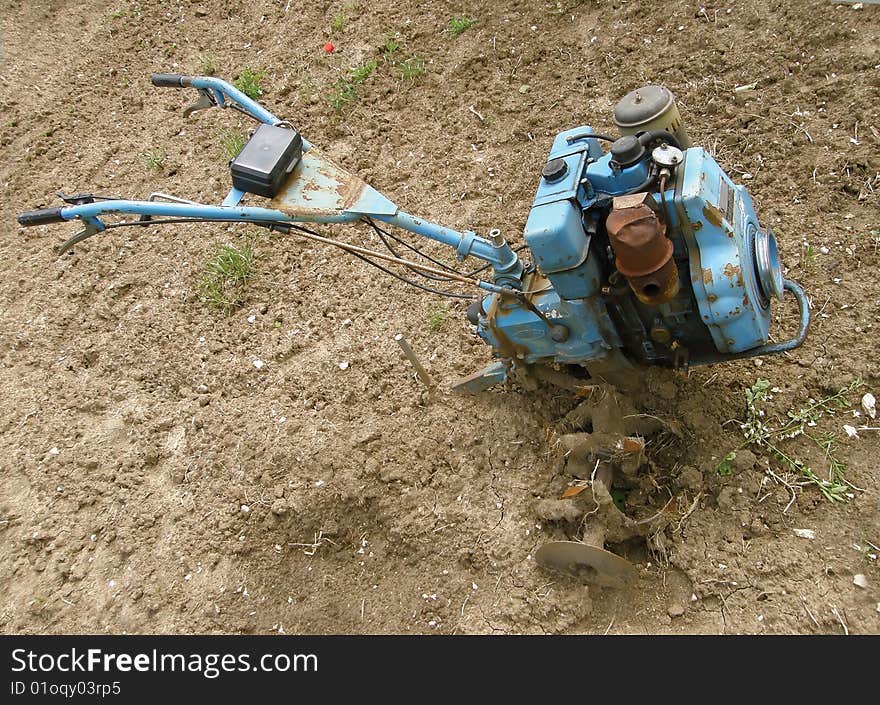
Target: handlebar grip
{"x": 167, "y": 80}
{"x": 41, "y": 217}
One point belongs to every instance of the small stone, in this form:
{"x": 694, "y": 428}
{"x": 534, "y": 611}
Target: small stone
{"x": 279, "y": 507}
{"x": 675, "y": 610}
{"x": 869, "y": 405}
{"x": 344, "y": 366}
{"x": 366, "y": 437}
{"x": 804, "y": 533}
{"x": 259, "y": 364}
{"x": 524, "y": 88}
{"x": 744, "y": 460}
{"x": 245, "y": 509}
{"x": 690, "y": 478}
{"x": 202, "y": 389}
{"x": 252, "y": 319}
{"x": 850, "y": 431}
{"x": 860, "y": 580}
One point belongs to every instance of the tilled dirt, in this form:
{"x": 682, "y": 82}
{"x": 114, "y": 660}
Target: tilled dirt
{"x": 153, "y": 480}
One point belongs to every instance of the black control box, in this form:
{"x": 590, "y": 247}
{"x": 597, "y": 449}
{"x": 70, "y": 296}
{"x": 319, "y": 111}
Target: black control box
{"x": 266, "y": 160}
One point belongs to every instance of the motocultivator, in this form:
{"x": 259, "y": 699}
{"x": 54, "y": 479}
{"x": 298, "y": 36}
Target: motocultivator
{"x": 645, "y": 254}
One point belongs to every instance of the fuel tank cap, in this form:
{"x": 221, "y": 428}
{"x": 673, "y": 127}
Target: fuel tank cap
{"x": 554, "y": 170}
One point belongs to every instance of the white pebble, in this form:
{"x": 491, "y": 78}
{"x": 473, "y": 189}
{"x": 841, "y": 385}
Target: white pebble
{"x": 850, "y": 431}
{"x": 245, "y": 509}
{"x": 259, "y": 364}
{"x": 869, "y": 405}
{"x": 252, "y": 319}
{"x": 860, "y": 580}
{"x": 804, "y": 533}
{"x": 343, "y": 365}
{"x": 824, "y": 250}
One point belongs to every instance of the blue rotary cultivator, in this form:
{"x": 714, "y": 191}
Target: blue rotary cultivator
{"x": 644, "y": 254}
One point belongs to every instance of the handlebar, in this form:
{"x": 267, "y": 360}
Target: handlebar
{"x": 169, "y": 80}
{"x": 41, "y": 217}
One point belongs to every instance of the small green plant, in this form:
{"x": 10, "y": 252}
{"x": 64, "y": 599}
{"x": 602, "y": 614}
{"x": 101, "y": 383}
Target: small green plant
{"x": 390, "y": 48}
{"x": 761, "y": 434}
{"x": 232, "y": 141}
{"x": 337, "y": 22}
{"x": 457, "y": 25}
{"x": 361, "y": 73}
{"x": 725, "y": 467}
{"x": 118, "y": 14}
{"x": 207, "y": 65}
{"x": 344, "y": 93}
{"x": 248, "y": 82}
{"x": 437, "y": 317}
{"x": 225, "y": 275}
{"x": 153, "y": 158}
{"x": 411, "y": 68}
{"x": 808, "y": 257}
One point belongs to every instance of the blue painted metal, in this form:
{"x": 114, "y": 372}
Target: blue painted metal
{"x": 519, "y": 333}
{"x": 318, "y": 187}
{"x": 233, "y": 198}
{"x": 554, "y": 230}
{"x": 719, "y": 225}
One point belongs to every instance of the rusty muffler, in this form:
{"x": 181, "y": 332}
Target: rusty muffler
{"x": 643, "y": 252}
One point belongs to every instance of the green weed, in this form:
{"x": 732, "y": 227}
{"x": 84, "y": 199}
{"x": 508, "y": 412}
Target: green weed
{"x": 248, "y": 82}
{"x": 224, "y": 276}
{"x": 411, "y": 68}
{"x": 437, "y": 317}
{"x": 457, "y": 25}
{"x": 153, "y": 158}
{"x": 337, "y": 22}
{"x": 808, "y": 257}
{"x": 761, "y": 434}
{"x": 390, "y": 48}
{"x": 344, "y": 94}
{"x": 361, "y": 73}
{"x": 232, "y": 141}
{"x": 207, "y": 65}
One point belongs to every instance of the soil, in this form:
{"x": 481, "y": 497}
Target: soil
{"x": 153, "y": 480}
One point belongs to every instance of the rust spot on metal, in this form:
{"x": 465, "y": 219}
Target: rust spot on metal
{"x": 734, "y": 273}
{"x": 712, "y": 298}
{"x": 697, "y": 226}
{"x": 327, "y": 191}
{"x": 713, "y": 215}
{"x": 708, "y": 278}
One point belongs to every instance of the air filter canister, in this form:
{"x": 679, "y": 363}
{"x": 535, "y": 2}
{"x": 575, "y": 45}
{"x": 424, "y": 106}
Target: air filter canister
{"x": 650, "y": 108}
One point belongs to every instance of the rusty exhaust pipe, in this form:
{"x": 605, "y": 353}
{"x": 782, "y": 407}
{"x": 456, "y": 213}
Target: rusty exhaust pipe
{"x": 643, "y": 253}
